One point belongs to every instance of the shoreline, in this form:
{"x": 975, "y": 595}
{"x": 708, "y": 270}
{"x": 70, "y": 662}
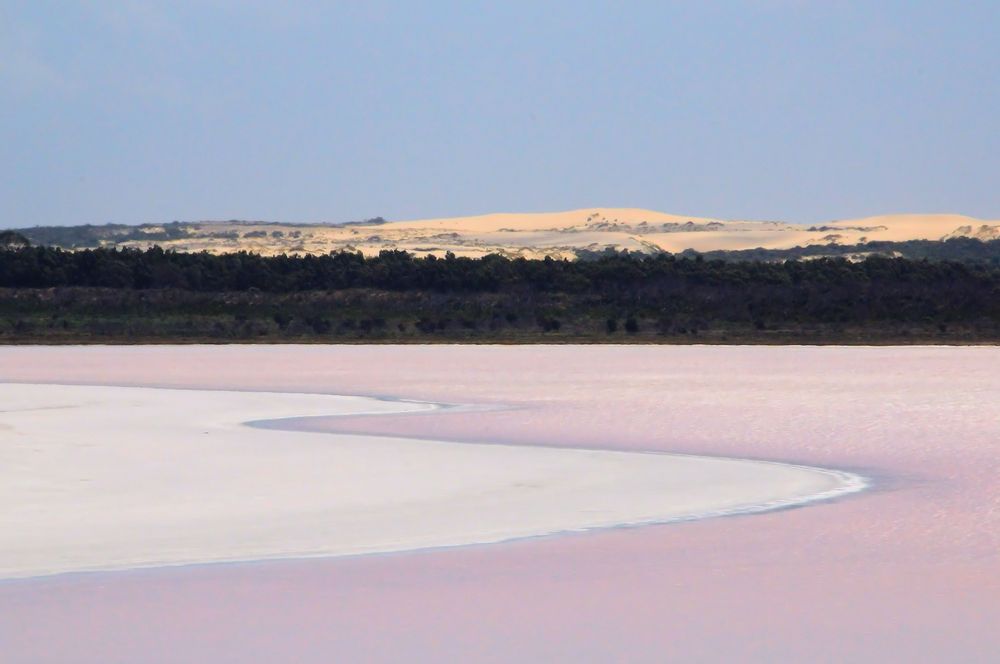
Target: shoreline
{"x": 857, "y": 484}
{"x": 792, "y": 340}
{"x": 835, "y": 484}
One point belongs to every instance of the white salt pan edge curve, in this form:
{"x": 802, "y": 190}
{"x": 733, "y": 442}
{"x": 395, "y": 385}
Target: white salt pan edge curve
{"x": 106, "y": 478}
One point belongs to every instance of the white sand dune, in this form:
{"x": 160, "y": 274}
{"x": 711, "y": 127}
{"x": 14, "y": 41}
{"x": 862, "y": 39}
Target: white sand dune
{"x": 540, "y": 221}
{"x": 902, "y": 227}
{"x": 98, "y": 478}
{"x": 566, "y": 234}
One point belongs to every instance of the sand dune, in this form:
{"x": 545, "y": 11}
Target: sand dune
{"x": 557, "y": 234}
{"x": 537, "y": 221}
{"x": 121, "y": 477}
{"x": 898, "y": 227}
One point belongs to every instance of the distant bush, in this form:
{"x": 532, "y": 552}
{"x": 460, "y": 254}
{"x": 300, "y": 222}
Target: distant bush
{"x": 13, "y": 240}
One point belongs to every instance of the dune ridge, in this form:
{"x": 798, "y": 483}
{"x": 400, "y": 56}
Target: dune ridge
{"x": 538, "y": 234}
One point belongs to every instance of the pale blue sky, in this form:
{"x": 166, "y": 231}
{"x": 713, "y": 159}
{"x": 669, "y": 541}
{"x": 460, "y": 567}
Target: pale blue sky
{"x": 799, "y": 110}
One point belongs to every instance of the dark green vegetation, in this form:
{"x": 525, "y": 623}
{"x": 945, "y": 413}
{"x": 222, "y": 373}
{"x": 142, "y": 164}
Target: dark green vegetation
{"x": 52, "y": 295}
{"x": 962, "y": 249}
{"x": 12, "y": 240}
{"x": 91, "y": 236}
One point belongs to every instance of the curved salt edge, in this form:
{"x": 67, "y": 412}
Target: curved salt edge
{"x": 851, "y": 482}
{"x": 65, "y": 551}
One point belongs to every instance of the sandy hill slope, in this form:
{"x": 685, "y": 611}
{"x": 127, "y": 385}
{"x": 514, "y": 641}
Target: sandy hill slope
{"x": 899, "y": 227}
{"x": 531, "y": 235}
{"x": 586, "y": 218}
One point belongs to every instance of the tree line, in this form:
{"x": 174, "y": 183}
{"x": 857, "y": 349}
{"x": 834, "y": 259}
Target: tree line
{"x": 959, "y": 249}
{"x": 396, "y": 296}
{"x": 47, "y": 267}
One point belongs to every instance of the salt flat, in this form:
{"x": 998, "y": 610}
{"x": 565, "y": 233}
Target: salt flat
{"x": 99, "y": 478}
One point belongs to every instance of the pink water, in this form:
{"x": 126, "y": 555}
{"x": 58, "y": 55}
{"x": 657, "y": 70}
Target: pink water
{"x": 909, "y": 571}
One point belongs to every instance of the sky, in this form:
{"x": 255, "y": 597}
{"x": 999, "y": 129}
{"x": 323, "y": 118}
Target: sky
{"x": 798, "y": 110}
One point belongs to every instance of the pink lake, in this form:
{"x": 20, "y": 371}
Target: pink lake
{"x": 908, "y": 571}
